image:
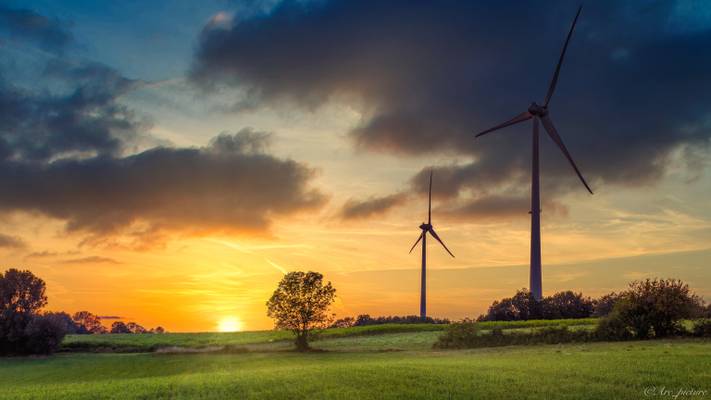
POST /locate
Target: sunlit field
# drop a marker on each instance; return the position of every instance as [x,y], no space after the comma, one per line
[371,367]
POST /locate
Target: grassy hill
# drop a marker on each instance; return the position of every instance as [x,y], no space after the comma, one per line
[373,362]
[589,371]
[266,340]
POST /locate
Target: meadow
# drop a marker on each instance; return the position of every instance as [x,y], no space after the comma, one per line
[372,362]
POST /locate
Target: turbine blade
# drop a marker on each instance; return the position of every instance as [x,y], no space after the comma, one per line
[434,235]
[515,120]
[553,133]
[418,241]
[429,209]
[554,81]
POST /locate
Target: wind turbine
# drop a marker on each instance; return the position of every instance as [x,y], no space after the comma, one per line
[427,228]
[540,113]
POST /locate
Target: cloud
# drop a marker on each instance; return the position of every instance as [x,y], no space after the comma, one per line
[427,75]
[83,119]
[496,207]
[7,241]
[373,206]
[50,34]
[229,185]
[90,260]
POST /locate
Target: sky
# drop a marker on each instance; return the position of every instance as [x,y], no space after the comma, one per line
[166,162]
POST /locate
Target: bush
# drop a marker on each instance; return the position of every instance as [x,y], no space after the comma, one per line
[604,305]
[44,334]
[468,335]
[566,305]
[365,319]
[613,327]
[702,328]
[459,335]
[652,308]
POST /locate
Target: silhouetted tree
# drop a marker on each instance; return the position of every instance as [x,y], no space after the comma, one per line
[44,334]
[365,319]
[22,329]
[22,294]
[300,303]
[566,304]
[346,322]
[603,305]
[64,320]
[88,322]
[522,306]
[135,328]
[119,327]
[158,329]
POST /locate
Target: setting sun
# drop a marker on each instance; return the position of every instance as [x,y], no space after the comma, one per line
[229,324]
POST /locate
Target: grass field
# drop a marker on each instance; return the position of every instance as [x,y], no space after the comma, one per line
[376,362]
[262,340]
[589,371]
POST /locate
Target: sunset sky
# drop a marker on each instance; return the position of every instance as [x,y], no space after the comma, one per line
[166,162]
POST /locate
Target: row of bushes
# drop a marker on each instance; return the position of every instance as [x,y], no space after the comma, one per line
[365,320]
[648,309]
[468,334]
[562,305]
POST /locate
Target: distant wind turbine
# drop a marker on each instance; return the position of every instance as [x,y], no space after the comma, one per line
[426,228]
[540,113]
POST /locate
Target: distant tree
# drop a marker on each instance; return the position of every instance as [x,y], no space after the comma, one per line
[135,328]
[567,304]
[603,305]
[522,306]
[44,334]
[654,308]
[300,303]
[88,322]
[346,322]
[21,292]
[158,329]
[119,327]
[22,329]
[365,319]
[65,320]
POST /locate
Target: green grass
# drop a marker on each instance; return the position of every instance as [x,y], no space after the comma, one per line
[261,340]
[581,371]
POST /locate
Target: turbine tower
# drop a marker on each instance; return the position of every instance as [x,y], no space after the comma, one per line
[426,228]
[539,113]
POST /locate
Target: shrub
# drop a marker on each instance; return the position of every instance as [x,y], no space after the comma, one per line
[467,335]
[604,305]
[44,334]
[702,328]
[652,308]
[365,319]
[462,334]
[565,305]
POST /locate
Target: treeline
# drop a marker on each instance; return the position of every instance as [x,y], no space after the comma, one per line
[365,319]
[652,308]
[25,329]
[562,305]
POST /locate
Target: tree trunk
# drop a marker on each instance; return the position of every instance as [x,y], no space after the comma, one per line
[302,343]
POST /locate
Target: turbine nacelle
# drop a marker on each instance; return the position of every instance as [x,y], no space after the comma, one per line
[425,227]
[536,110]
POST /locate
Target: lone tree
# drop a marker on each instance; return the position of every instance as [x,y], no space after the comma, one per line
[300,303]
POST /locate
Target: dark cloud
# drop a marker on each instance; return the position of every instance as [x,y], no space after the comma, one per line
[358,209]
[90,260]
[50,34]
[496,207]
[8,241]
[82,119]
[229,185]
[635,86]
